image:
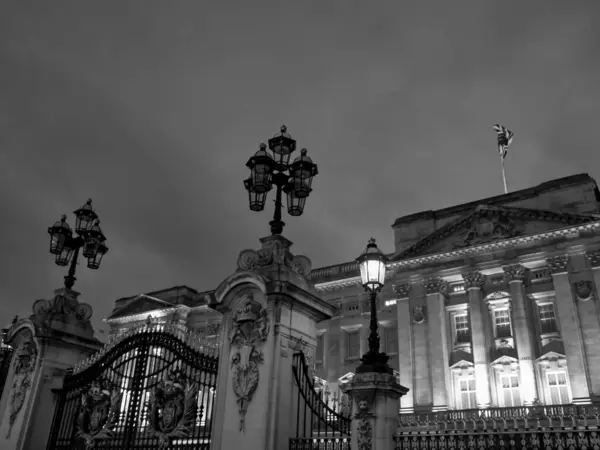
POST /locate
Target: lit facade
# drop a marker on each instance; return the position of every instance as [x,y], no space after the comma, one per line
[490,304]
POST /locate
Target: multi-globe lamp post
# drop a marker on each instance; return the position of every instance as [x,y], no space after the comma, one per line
[89,237]
[274,168]
[372,275]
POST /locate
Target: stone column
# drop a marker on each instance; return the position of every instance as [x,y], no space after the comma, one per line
[405,353]
[481,346]
[570,329]
[516,276]
[375,404]
[53,339]
[268,311]
[436,289]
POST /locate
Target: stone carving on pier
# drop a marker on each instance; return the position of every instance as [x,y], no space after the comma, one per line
[402,290]
[419,314]
[515,272]
[473,280]
[436,286]
[25,360]
[249,331]
[558,264]
[274,252]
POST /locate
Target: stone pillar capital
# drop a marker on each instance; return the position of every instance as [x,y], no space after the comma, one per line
[515,272]
[593,257]
[436,285]
[473,280]
[558,264]
[402,290]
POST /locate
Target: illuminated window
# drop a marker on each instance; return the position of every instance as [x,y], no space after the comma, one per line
[390,302]
[502,323]
[319,354]
[391,340]
[511,395]
[353,348]
[468,398]
[547,318]
[353,308]
[558,387]
[462,329]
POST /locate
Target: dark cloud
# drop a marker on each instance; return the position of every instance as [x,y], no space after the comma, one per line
[152,109]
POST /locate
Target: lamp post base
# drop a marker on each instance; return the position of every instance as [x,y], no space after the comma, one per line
[375,362]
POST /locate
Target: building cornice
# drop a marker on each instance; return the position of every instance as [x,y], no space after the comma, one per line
[467,251]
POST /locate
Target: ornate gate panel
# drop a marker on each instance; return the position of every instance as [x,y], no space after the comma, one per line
[153,389]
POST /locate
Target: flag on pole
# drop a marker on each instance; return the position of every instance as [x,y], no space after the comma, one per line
[505,137]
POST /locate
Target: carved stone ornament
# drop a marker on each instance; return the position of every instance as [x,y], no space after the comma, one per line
[483,229]
[419,314]
[249,330]
[558,264]
[436,286]
[24,362]
[515,272]
[584,290]
[402,290]
[364,438]
[64,303]
[274,251]
[173,408]
[473,280]
[99,414]
[594,258]
[364,406]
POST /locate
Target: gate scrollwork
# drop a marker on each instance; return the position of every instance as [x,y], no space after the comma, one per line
[173,408]
[99,414]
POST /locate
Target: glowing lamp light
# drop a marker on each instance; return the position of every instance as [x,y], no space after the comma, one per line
[372,267]
[256,199]
[261,167]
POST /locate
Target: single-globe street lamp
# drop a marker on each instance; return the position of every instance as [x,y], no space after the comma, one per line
[372,274]
[295,178]
[66,247]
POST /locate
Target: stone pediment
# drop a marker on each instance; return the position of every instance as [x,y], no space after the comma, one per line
[460,358]
[509,357]
[552,350]
[487,224]
[140,305]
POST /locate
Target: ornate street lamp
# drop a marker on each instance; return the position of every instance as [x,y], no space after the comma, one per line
[372,274]
[295,179]
[66,248]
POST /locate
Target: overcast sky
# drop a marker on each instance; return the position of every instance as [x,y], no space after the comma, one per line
[152,108]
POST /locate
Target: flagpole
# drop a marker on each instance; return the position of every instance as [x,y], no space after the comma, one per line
[503,173]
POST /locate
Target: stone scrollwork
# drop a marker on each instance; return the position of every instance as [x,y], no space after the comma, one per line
[436,286]
[249,330]
[515,272]
[584,290]
[173,408]
[248,260]
[558,264]
[473,280]
[302,265]
[594,258]
[273,252]
[365,434]
[402,290]
[99,414]
[25,360]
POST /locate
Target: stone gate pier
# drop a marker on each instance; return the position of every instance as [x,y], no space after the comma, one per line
[267,309]
[56,336]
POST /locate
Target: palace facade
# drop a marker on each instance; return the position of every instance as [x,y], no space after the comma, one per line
[489,304]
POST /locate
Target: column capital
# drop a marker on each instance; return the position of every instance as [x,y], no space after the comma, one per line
[593,257]
[402,290]
[515,272]
[558,264]
[473,280]
[436,285]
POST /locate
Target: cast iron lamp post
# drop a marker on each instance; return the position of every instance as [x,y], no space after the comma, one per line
[372,274]
[89,237]
[295,179]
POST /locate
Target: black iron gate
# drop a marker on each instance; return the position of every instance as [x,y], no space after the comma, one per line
[153,389]
[318,426]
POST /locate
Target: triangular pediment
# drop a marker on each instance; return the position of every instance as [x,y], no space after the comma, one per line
[505,359]
[487,224]
[140,305]
[552,350]
[460,358]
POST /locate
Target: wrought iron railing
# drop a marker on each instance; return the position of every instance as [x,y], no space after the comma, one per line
[5,359]
[317,424]
[533,439]
[503,418]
